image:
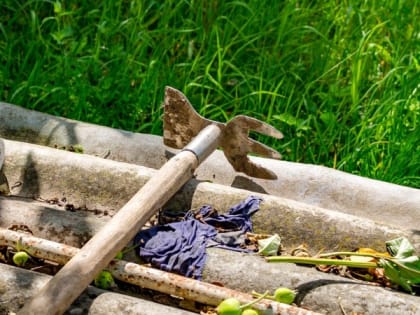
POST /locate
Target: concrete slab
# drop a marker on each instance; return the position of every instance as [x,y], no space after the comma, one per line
[89,182]
[315,185]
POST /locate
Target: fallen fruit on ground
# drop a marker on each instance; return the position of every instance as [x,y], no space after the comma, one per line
[284,295]
[281,295]
[20,258]
[230,306]
[104,280]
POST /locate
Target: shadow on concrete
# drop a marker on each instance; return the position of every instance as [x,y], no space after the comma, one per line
[30,181]
[416,232]
[243,182]
[309,286]
[20,124]
[30,187]
[169,154]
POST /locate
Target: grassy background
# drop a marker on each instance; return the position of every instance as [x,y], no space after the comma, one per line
[341,79]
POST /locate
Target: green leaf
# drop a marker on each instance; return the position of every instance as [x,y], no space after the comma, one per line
[404,272]
[400,248]
[62,34]
[57,7]
[269,246]
[292,121]
[404,267]
[328,118]
[288,119]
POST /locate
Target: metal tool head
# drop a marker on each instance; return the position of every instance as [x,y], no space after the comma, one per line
[182,123]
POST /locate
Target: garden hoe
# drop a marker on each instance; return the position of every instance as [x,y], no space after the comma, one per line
[184,129]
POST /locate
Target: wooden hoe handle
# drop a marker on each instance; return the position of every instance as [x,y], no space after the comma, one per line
[58,294]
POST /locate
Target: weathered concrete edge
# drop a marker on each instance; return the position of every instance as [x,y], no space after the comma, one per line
[96,183]
[316,185]
[17,285]
[123,304]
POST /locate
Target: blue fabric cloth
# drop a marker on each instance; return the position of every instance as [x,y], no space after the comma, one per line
[181,246]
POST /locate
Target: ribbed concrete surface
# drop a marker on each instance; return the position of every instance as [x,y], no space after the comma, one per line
[315,185]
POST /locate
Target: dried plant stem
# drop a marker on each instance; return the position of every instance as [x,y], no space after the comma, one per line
[322,261]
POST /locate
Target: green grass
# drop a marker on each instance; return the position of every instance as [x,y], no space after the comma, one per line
[341,79]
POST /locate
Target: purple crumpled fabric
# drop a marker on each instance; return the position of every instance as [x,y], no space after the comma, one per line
[180,247]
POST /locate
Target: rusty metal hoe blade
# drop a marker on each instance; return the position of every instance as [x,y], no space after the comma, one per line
[182,123]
